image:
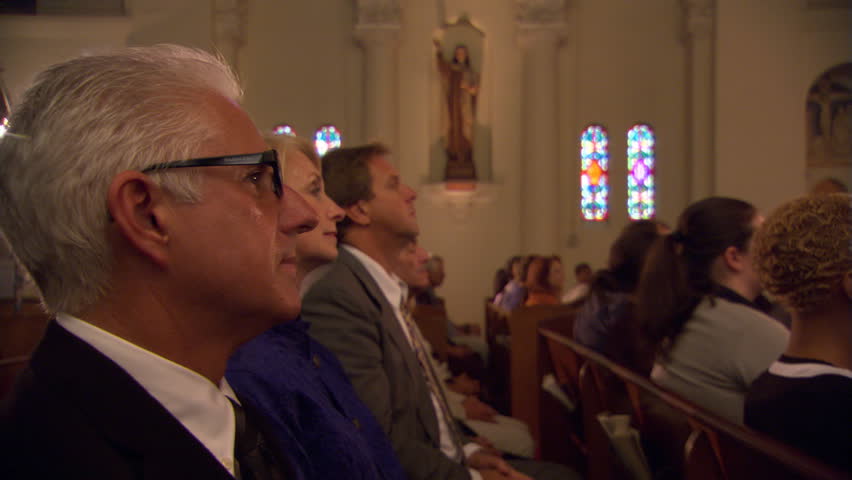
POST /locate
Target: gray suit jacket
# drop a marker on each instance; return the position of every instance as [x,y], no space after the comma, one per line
[349,314]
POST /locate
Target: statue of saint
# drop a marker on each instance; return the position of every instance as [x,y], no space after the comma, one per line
[460,87]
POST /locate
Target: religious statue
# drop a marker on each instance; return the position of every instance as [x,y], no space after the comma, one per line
[460,87]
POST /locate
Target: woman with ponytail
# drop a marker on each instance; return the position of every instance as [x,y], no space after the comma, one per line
[606,321]
[695,305]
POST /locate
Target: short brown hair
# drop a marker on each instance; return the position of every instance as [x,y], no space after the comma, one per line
[347,178]
[804,248]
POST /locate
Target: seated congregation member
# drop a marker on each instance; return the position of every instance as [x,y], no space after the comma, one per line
[355,310]
[512,294]
[545,278]
[695,305]
[803,254]
[294,381]
[503,433]
[583,276]
[606,321]
[146,206]
[464,339]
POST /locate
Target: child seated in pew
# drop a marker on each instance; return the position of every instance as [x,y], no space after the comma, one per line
[803,254]
[605,321]
[695,303]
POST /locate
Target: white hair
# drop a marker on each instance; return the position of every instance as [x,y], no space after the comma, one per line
[81,123]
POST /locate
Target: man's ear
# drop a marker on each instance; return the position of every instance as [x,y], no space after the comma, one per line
[359,213]
[137,207]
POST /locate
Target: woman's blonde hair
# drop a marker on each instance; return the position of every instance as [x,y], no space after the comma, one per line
[287,144]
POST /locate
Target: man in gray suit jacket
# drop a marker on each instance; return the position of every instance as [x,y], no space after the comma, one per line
[355,310]
[152,216]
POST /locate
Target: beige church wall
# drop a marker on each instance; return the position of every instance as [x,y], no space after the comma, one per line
[625,62]
[187,22]
[29,44]
[301,66]
[768,55]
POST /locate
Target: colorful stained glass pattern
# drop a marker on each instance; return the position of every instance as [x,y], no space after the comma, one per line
[326,138]
[283,129]
[594,173]
[640,173]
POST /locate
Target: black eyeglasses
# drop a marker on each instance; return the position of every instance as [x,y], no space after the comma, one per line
[269,157]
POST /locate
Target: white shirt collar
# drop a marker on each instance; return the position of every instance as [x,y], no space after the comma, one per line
[197,403]
[388,283]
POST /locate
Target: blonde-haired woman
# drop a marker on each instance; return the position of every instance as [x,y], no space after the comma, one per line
[297,383]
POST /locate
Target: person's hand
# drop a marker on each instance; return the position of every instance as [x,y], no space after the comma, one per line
[459,350]
[464,384]
[474,409]
[487,446]
[492,467]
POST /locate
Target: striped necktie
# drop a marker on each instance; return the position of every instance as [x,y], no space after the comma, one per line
[419,347]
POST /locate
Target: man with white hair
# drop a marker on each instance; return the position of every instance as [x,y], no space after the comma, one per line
[151,215]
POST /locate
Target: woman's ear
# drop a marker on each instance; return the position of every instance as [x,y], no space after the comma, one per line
[137,208]
[734,259]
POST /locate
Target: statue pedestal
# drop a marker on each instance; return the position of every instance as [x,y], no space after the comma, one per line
[460,197]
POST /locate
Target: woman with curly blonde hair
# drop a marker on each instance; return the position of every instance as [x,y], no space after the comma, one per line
[803,254]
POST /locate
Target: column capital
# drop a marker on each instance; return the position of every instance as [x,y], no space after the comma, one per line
[699,17]
[540,12]
[378,14]
[378,22]
[540,21]
[230,18]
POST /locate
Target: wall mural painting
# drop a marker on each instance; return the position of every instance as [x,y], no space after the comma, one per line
[829,118]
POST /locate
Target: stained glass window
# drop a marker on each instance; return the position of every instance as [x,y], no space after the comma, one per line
[326,138]
[640,172]
[283,129]
[594,173]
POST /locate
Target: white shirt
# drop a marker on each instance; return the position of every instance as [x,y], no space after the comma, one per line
[395,291]
[198,404]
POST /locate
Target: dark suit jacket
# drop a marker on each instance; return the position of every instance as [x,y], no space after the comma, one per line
[75,414]
[351,317]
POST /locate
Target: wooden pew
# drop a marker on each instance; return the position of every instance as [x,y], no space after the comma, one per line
[714,449]
[529,362]
[497,337]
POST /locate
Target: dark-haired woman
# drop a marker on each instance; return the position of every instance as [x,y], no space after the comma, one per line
[512,294]
[695,304]
[545,278]
[606,322]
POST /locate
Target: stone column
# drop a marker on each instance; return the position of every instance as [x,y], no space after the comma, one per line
[378,31]
[541,26]
[229,19]
[701,106]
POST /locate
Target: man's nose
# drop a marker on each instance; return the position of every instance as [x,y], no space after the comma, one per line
[296,216]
